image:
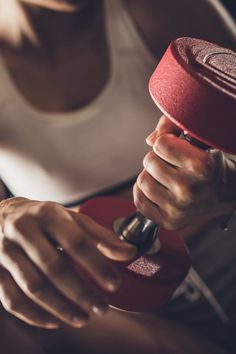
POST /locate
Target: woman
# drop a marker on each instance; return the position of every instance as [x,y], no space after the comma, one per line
[73,93]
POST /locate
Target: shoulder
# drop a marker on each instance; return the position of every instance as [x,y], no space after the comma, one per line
[160,21]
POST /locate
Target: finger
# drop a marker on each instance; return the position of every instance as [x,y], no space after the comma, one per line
[164,126]
[180,153]
[56,267]
[16,303]
[169,217]
[146,207]
[78,246]
[38,289]
[106,240]
[162,172]
[153,190]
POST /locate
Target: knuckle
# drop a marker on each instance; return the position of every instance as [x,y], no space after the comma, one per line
[203,167]
[149,159]
[163,144]
[44,209]
[180,192]
[48,211]
[161,140]
[13,226]
[185,194]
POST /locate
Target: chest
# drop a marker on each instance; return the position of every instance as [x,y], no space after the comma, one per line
[66,80]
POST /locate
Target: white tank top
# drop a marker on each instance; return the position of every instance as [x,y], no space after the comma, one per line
[65,157]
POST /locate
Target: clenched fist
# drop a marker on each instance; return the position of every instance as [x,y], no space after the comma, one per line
[182,184]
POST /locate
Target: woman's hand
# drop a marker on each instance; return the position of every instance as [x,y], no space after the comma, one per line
[182,184]
[38,283]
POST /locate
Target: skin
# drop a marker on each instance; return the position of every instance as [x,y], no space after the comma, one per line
[63,5]
[181,184]
[38,284]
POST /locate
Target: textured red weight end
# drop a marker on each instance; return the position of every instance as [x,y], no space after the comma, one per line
[195,86]
[149,281]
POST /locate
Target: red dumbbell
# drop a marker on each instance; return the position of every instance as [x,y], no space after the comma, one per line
[194,85]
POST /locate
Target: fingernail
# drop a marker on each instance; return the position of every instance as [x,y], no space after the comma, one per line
[52,325]
[112,284]
[99,309]
[151,138]
[78,322]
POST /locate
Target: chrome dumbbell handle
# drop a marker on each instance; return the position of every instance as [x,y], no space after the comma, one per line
[141,231]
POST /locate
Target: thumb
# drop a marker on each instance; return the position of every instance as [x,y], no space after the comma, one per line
[106,241]
[164,126]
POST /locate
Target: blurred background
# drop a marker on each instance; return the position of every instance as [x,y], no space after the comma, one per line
[231,6]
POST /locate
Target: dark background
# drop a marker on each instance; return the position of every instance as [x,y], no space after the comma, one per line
[231,6]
